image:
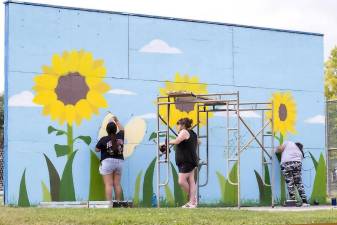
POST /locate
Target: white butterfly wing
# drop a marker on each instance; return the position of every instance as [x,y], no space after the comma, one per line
[135,131]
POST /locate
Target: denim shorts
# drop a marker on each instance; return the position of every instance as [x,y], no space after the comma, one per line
[110,165]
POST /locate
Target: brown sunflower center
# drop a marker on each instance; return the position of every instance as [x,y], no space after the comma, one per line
[182,106]
[71,88]
[282,112]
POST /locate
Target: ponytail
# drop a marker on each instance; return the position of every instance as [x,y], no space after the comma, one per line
[300,147]
[111,129]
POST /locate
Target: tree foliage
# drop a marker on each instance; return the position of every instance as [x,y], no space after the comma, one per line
[330,84]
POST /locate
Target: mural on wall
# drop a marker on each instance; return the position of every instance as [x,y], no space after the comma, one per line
[285,116]
[126,62]
[71,90]
[183,83]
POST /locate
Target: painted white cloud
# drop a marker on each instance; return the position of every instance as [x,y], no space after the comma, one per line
[148,116]
[318,119]
[22,99]
[121,92]
[159,46]
[243,114]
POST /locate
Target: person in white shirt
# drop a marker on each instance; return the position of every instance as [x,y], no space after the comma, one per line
[291,166]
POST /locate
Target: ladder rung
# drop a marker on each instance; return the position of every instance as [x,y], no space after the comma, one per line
[231,128]
[267,135]
[232,160]
[202,136]
[269,163]
[163,161]
[162,131]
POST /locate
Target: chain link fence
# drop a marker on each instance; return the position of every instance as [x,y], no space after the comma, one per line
[1,170]
[331,138]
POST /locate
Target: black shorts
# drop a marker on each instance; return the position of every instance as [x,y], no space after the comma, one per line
[186,167]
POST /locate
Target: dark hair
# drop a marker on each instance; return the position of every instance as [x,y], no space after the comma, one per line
[300,147]
[111,129]
[186,122]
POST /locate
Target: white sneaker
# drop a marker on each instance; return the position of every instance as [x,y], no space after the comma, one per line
[305,204]
[189,206]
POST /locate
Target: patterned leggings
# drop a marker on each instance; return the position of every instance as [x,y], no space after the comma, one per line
[292,174]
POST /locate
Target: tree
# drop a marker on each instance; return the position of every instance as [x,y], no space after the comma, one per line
[330,84]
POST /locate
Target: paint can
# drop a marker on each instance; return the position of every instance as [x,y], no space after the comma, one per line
[333,202]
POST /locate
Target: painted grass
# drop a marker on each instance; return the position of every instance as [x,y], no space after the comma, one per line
[214,216]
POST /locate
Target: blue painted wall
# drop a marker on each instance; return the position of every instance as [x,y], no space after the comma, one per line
[139,54]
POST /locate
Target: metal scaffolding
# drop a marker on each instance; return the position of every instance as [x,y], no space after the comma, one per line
[228,103]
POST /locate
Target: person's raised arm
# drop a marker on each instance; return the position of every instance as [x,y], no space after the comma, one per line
[280,148]
[118,123]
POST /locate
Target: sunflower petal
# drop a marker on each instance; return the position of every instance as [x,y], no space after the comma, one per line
[96,99]
[44,97]
[83,109]
[46,81]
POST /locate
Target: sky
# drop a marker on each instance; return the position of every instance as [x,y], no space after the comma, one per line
[304,15]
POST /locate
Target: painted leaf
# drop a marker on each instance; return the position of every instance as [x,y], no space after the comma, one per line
[122,195]
[96,188]
[314,161]
[148,184]
[169,196]
[136,199]
[179,197]
[265,191]
[60,132]
[51,129]
[23,195]
[54,180]
[67,191]
[46,197]
[86,139]
[135,131]
[153,136]
[319,189]
[222,183]
[61,150]
[231,191]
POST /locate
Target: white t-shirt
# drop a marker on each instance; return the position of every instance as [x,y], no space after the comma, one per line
[291,152]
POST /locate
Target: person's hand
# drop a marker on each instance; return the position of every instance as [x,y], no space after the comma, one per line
[115,119]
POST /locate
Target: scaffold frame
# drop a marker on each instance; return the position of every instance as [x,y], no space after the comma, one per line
[230,104]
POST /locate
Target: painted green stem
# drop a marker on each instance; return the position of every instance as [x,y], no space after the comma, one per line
[70,140]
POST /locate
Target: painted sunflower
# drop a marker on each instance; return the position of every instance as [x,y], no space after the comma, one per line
[183,84]
[71,88]
[284,113]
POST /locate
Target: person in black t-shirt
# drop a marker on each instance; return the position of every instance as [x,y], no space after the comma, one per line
[186,158]
[111,148]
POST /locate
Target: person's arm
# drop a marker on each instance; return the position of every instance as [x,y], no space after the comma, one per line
[99,146]
[118,123]
[183,135]
[280,148]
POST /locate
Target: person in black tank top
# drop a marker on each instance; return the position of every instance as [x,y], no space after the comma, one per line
[186,158]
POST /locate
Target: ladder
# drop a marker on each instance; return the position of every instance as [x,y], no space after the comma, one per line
[202,163]
[231,160]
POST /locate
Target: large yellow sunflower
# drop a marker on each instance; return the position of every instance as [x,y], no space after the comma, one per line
[183,84]
[284,113]
[71,88]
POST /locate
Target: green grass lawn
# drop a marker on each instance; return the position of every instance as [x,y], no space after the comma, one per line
[43,216]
